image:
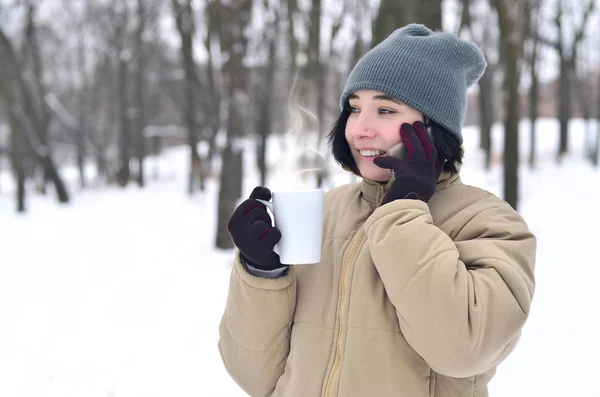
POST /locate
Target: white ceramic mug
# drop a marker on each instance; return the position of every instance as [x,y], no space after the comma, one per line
[298,214]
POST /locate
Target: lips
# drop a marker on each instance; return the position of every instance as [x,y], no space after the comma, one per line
[371,153]
[368,155]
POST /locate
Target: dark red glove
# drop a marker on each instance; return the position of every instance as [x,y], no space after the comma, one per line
[251,231]
[415,175]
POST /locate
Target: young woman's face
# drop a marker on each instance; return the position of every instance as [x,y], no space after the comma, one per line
[373,127]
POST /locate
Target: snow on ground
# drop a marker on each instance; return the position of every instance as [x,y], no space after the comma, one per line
[120,293]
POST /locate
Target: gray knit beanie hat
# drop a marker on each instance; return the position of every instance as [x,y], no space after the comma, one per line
[429,71]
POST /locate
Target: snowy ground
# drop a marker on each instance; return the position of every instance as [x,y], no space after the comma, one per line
[120,293]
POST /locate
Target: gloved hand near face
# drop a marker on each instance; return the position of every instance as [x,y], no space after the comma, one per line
[416,173]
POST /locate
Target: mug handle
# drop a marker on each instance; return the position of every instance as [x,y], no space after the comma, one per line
[270,206]
[267,203]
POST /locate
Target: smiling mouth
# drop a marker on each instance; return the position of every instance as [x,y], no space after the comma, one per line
[371,153]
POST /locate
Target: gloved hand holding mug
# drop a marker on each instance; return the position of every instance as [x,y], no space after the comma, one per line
[250,227]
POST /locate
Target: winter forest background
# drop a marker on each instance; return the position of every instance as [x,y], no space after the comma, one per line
[130,129]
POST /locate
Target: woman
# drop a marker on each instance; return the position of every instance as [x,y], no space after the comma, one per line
[424,284]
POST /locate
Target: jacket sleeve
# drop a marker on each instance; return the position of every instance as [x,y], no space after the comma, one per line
[275,273]
[255,329]
[461,304]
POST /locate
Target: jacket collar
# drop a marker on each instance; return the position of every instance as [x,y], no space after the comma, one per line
[373,191]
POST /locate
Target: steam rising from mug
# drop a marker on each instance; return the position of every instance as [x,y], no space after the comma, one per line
[301,161]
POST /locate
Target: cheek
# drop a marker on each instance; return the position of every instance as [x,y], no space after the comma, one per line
[349,127]
[391,133]
[349,137]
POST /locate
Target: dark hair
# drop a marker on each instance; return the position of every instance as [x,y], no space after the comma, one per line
[445,143]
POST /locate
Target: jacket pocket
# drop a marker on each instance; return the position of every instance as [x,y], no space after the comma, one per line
[431,383]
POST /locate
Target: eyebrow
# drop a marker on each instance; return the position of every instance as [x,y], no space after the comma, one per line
[378,97]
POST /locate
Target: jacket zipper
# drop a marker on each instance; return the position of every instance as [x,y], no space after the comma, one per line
[338,343]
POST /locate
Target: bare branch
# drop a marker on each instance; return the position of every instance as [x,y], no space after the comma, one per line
[581,30]
[546,41]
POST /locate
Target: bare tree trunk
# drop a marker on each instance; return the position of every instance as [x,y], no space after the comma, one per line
[184,17]
[265,117]
[429,13]
[234,42]
[392,15]
[595,153]
[358,49]
[292,9]
[40,152]
[33,105]
[567,66]
[156,149]
[589,120]
[321,105]
[22,101]
[511,139]
[100,135]
[577,41]
[486,114]
[584,100]
[18,153]
[81,134]
[124,172]
[261,148]
[335,75]
[212,150]
[317,68]
[39,89]
[564,108]
[293,47]
[562,104]
[101,164]
[513,28]
[139,90]
[533,96]
[486,82]
[214,96]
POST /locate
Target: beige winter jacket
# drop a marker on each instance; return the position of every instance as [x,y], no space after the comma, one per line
[410,300]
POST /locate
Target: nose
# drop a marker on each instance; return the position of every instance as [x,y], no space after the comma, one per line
[362,127]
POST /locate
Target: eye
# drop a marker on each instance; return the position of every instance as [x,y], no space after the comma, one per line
[354,109]
[386,111]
